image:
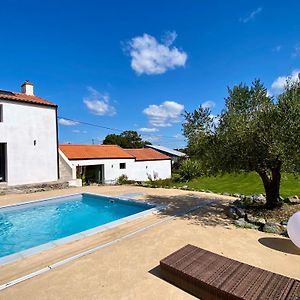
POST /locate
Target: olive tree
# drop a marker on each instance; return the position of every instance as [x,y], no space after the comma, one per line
[254,132]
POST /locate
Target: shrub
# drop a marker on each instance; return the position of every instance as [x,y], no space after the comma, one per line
[160,182]
[190,169]
[176,177]
[123,179]
[84,181]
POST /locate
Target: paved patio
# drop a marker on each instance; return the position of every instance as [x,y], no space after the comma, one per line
[128,269]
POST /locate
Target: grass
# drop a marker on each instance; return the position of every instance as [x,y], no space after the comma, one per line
[245,183]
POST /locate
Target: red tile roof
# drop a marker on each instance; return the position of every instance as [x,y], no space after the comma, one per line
[146,154]
[21,97]
[75,151]
[93,151]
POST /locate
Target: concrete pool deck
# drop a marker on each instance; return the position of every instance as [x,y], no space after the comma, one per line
[127,269]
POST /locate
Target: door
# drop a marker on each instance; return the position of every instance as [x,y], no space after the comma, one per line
[2,162]
[94,174]
[101,174]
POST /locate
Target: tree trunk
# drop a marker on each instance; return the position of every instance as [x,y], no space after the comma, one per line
[271,181]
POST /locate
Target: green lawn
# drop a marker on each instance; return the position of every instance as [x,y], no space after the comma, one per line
[245,184]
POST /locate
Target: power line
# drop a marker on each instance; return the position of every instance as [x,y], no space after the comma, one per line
[90,124]
[111,128]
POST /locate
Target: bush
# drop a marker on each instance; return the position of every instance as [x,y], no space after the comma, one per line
[160,182]
[176,177]
[123,179]
[83,180]
[190,169]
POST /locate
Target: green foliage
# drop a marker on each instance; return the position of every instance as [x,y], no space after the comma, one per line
[198,127]
[242,183]
[160,183]
[177,164]
[288,116]
[169,182]
[84,181]
[123,179]
[233,183]
[254,133]
[127,139]
[176,177]
[239,183]
[189,169]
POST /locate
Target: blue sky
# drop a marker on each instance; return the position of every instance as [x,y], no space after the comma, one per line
[139,64]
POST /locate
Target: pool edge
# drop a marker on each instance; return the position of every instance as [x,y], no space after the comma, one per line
[80,235]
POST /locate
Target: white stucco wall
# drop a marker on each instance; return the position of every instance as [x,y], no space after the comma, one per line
[135,170]
[22,124]
[155,169]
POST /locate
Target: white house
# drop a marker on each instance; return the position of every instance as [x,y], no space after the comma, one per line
[106,163]
[173,154]
[28,138]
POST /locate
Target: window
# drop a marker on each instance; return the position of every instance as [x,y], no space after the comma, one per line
[122,166]
[1,112]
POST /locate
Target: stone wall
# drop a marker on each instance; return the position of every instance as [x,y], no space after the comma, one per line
[33,188]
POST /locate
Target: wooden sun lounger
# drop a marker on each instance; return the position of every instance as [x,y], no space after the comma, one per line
[211,276]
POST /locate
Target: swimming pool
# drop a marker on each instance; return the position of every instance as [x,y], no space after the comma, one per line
[36,223]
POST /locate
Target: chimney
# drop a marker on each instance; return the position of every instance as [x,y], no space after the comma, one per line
[27,88]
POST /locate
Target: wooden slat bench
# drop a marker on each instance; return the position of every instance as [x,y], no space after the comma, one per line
[211,276]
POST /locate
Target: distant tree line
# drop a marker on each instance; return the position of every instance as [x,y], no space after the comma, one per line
[127,139]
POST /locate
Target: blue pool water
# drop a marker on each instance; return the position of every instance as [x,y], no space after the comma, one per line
[27,226]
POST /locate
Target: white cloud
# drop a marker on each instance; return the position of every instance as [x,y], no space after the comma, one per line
[98,103]
[153,138]
[149,56]
[179,136]
[79,131]
[146,129]
[66,122]
[252,15]
[169,37]
[165,114]
[279,84]
[208,104]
